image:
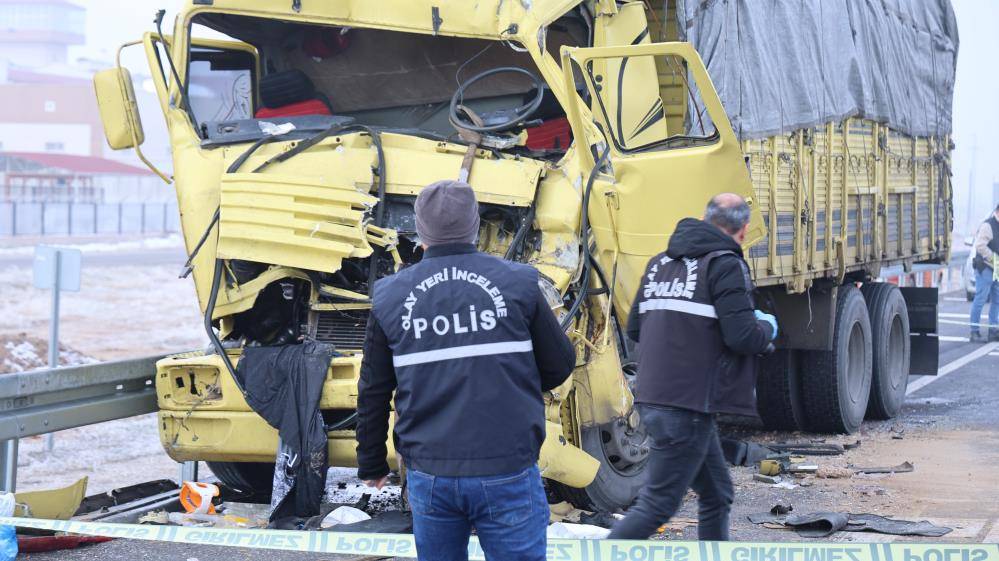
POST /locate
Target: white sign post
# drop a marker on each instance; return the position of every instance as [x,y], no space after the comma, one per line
[56,269]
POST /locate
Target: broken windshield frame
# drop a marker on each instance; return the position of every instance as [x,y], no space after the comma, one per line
[219,133]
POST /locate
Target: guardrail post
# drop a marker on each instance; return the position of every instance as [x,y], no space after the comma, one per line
[8,463]
[188,471]
[13,218]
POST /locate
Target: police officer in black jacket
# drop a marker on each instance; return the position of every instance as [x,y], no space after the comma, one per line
[698,332]
[468,344]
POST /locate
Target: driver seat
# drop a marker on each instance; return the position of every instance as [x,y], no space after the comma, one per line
[290,93]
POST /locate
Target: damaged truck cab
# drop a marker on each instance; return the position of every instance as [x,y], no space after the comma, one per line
[302,131]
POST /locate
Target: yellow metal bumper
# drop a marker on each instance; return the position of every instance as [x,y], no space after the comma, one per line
[238,436]
[204,417]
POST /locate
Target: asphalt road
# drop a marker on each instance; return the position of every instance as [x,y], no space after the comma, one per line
[164,256]
[948,428]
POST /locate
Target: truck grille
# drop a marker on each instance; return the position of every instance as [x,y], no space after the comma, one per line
[345,329]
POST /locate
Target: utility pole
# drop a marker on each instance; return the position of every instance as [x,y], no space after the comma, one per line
[970,219]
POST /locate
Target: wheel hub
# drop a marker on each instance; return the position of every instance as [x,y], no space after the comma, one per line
[626,448]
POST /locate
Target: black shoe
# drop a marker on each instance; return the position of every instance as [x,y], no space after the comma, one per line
[976,337]
[993,336]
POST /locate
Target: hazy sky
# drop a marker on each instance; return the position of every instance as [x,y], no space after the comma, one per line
[976,105]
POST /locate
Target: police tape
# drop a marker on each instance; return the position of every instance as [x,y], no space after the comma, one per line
[403,545]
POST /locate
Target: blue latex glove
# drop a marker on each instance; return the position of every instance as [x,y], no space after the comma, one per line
[762,316]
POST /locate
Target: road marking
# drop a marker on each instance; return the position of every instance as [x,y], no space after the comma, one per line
[954,299]
[964,323]
[951,367]
[952,339]
[952,315]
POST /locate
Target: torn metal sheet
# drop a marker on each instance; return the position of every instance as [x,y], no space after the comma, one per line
[293,221]
[51,504]
[904,467]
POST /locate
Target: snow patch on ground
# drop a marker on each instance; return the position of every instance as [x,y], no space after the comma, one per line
[343,487]
[21,353]
[119,312]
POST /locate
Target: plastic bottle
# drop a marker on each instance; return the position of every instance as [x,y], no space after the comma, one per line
[8,537]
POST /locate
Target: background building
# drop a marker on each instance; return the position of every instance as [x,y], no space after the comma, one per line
[52,145]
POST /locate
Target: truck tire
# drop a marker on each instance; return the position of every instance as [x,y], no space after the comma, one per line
[615,486]
[778,391]
[891,352]
[837,383]
[255,478]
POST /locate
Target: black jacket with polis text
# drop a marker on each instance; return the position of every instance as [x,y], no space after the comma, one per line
[468,343]
[693,318]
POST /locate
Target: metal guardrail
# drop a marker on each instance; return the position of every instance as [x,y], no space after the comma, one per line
[44,401]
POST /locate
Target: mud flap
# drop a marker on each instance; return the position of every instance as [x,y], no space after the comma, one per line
[922,307]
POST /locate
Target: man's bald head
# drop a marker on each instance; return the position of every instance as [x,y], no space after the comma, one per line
[730,213]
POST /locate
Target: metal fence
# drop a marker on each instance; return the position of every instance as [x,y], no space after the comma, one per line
[42,219]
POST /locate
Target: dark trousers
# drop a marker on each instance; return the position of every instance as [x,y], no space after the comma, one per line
[686,453]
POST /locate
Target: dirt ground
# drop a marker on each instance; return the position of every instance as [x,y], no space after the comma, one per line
[121,311]
[142,310]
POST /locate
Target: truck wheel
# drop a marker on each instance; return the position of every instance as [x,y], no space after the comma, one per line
[890,337]
[837,383]
[778,391]
[623,455]
[251,477]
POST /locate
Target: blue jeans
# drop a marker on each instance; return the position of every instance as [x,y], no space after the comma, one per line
[509,513]
[686,454]
[984,288]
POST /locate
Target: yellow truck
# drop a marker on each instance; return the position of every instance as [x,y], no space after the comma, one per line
[302,130]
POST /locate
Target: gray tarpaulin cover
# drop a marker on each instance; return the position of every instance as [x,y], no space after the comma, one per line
[781,65]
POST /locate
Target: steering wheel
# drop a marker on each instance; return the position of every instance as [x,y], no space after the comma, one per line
[461,121]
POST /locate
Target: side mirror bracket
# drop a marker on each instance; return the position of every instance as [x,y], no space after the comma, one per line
[120,111]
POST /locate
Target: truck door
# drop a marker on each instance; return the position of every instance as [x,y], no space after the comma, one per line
[670,149]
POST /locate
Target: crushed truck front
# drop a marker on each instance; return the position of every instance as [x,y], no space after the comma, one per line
[289,218]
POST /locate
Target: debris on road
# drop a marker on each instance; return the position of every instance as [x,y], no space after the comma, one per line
[742,453]
[784,463]
[676,525]
[771,479]
[904,467]
[41,544]
[567,530]
[770,467]
[833,472]
[343,515]
[51,504]
[780,509]
[388,522]
[197,497]
[813,448]
[823,524]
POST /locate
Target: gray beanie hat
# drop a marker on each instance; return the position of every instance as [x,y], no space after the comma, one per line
[447,212]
